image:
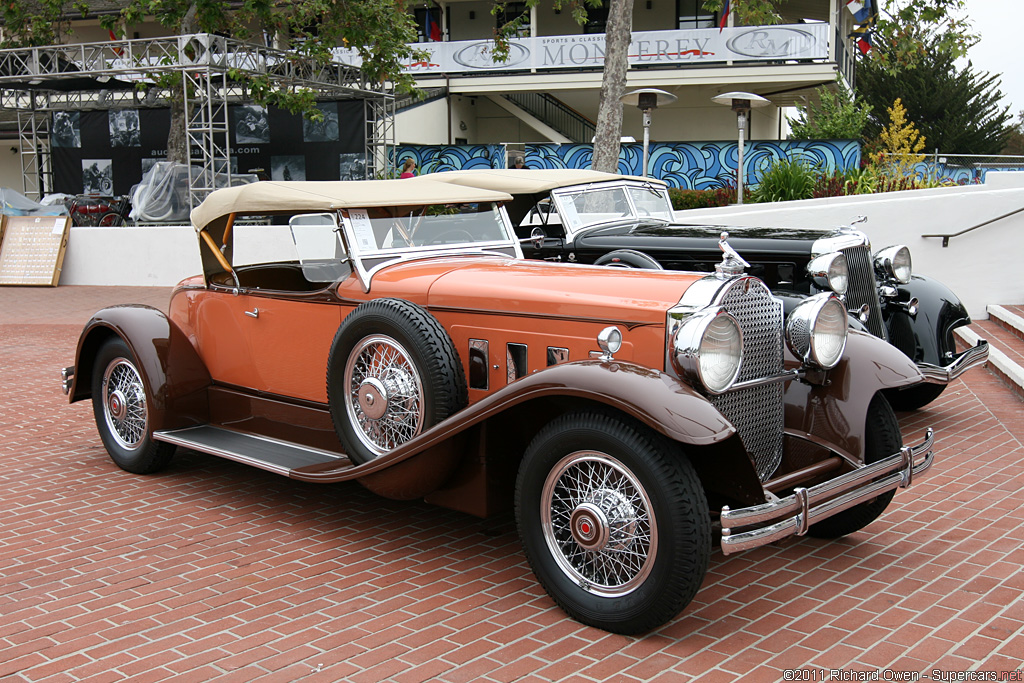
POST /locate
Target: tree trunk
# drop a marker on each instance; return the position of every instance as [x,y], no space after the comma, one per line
[618,32]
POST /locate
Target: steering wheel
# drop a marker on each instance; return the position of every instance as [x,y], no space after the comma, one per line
[447,235]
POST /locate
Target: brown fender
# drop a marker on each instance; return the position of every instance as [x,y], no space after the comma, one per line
[834,414]
[176,378]
[660,401]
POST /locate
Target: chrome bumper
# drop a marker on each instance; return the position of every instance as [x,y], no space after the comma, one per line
[937,374]
[67,375]
[807,506]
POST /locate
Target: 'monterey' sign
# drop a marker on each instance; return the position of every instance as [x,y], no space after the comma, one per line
[696,46]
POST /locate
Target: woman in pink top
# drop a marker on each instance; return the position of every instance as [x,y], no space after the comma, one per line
[408,169]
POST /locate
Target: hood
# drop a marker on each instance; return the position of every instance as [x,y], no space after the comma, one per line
[701,238]
[543,289]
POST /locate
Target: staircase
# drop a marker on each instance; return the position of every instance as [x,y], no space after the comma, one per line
[1004,331]
[555,113]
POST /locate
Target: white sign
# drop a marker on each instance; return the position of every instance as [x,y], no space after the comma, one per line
[695,46]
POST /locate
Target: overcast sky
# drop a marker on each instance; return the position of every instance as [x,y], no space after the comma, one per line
[999,23]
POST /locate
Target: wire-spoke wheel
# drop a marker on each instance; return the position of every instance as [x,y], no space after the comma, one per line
[393,372]
[613,520]
[598,523]
[385,395]
[124,403]
[121,407]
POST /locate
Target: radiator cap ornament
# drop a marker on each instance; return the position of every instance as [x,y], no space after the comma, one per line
[732,263]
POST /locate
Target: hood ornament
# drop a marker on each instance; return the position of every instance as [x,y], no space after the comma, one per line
[849,228]
[732,263]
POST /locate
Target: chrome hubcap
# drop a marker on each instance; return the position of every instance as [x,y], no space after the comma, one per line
[385,402]
[598,523]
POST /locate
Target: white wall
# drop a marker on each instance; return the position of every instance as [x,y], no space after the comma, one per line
[981,267]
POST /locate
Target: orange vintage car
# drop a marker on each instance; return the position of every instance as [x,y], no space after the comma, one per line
[391,332]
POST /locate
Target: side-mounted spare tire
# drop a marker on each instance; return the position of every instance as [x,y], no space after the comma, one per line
[393,372]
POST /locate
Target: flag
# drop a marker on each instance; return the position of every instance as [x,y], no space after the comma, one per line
[862,14]
[854,6]
[725,16]
[864,43]
[433,31]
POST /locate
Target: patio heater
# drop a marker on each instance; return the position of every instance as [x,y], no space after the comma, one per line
[647,100]
[741,103]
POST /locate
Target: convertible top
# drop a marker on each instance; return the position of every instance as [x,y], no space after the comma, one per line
[328,195]
[528,181]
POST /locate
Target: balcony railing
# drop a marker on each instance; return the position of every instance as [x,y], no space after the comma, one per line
[692,47]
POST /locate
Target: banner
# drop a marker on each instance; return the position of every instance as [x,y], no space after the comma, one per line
[648,48]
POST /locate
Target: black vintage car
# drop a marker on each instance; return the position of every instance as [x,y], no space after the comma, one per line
[606,219]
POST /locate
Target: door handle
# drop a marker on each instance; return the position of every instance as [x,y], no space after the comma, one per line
[254,313]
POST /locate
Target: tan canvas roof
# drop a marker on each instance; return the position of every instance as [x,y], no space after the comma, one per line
[530,181]
[327,195]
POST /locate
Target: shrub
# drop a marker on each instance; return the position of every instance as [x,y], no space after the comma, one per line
[703,199]
[786,180]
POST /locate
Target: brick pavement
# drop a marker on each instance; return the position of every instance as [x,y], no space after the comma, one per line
[212,570]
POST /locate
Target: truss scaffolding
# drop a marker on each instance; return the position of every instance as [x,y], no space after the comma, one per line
[37,81]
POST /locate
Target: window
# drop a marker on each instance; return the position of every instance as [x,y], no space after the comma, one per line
[428,25]
[691,14]
[597,18]
[512,11]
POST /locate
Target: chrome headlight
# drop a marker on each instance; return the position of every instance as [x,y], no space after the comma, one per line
[709,349]
[816,330]
[894,263]
[830,271]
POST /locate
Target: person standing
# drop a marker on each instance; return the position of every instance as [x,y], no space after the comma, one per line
[408,169]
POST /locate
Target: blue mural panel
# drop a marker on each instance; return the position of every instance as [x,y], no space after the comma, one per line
[434,158]
[689,165]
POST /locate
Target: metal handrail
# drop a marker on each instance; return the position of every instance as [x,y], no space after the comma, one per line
[946,237]
[556,114]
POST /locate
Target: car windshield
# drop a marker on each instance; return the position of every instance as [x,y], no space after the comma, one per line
[403,228]
[592,205]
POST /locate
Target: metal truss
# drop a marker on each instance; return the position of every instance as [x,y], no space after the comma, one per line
[37,81]
[380,137]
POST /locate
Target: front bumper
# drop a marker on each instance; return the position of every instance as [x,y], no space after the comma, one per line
[938,374]
[810,505]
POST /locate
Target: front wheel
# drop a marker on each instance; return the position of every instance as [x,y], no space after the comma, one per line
[883,439]
[914,397]
[613,521]
[120,404]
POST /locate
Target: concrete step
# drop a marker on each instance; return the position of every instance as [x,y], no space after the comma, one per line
[1006,347]
[1010,318]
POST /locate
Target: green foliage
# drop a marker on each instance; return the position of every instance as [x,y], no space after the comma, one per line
[835,117]
[956,109]
[1015,141]
[703,199]
[786,180]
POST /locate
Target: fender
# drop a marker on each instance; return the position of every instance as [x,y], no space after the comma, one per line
[662,402]
[928,336]
[175,377]
[833,414]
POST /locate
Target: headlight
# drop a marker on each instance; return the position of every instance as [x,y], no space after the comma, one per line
[829,271]
[894,263]
[816,330]
[709,348]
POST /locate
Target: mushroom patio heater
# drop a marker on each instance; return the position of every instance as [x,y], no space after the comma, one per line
[647,100]
[741,103]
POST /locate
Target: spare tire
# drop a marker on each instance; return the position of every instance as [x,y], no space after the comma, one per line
[393,372]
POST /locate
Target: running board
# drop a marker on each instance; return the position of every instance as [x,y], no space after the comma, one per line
[280,457]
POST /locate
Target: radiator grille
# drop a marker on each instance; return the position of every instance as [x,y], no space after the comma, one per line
[757,412]
[862,289]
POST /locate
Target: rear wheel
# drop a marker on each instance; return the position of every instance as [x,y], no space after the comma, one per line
[120,404]
[883,439]
[614,522]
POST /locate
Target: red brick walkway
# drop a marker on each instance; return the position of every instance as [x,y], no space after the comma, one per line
[215,571]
